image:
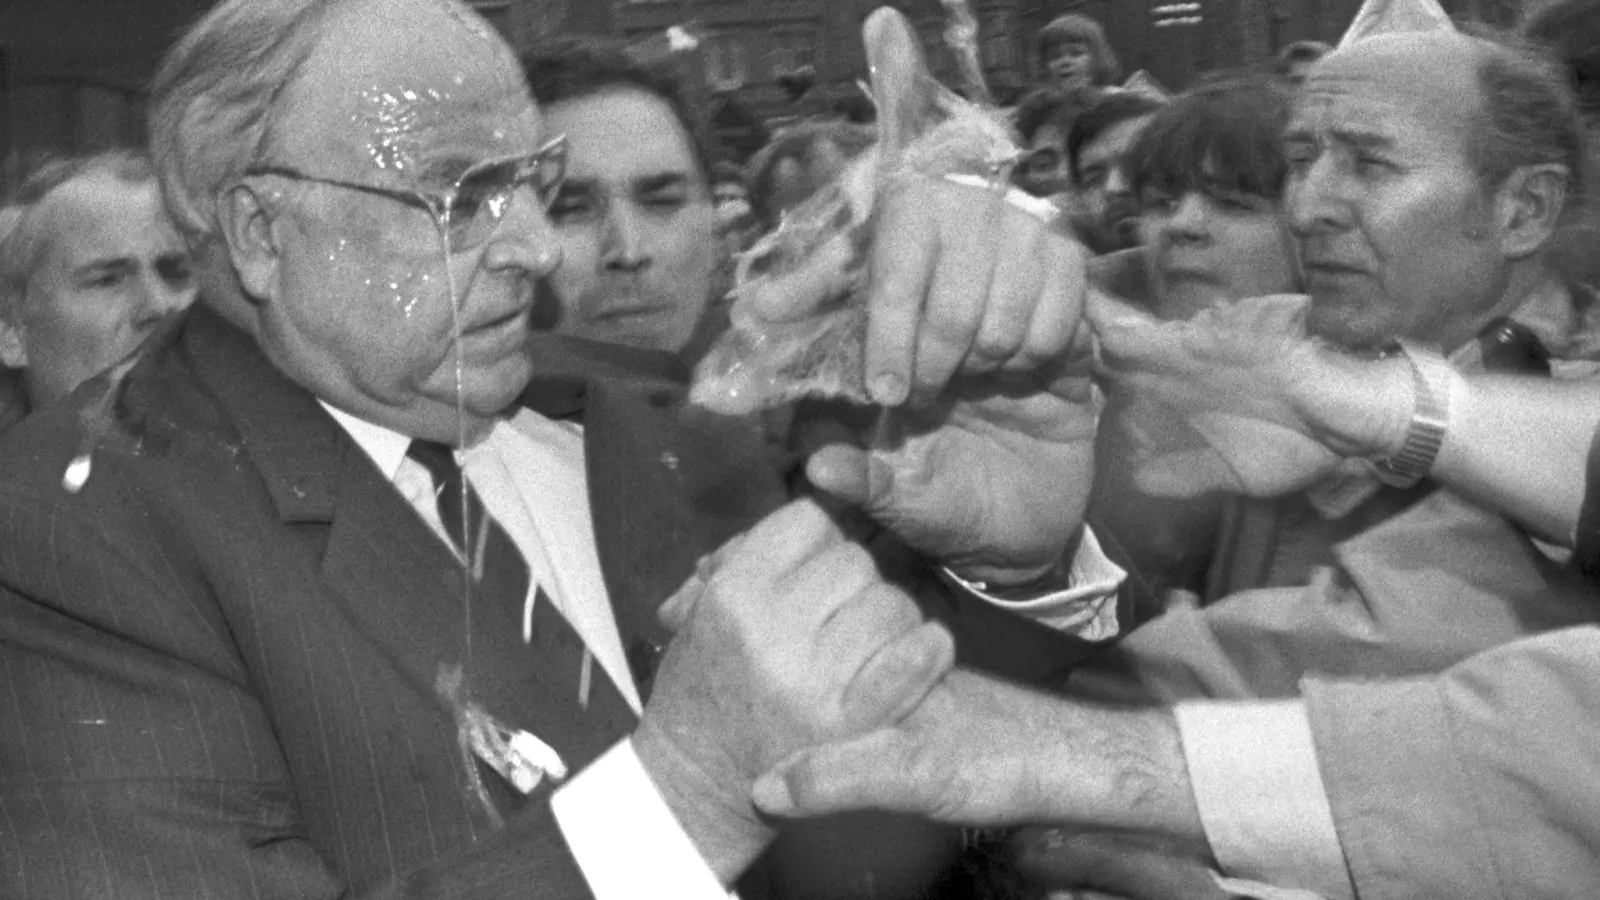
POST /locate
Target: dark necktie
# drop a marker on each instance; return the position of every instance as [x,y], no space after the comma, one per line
[584,712]
[459,508]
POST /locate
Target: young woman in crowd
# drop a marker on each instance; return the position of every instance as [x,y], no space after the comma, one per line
[1208,172]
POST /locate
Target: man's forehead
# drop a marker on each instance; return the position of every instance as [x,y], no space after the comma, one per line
[1114,140]
[411,85]
[88,213]
[622,131]
[1393,84]
[431,134]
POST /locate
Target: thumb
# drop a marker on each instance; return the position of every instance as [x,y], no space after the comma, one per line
[675,610]
[851,474]
[896,679]
[867,772]
[1188,472]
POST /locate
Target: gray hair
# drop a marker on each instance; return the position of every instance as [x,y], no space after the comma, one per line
[19,236]
[1530,116]
[213,100]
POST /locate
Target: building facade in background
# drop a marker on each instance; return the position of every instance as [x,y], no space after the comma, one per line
[72,72]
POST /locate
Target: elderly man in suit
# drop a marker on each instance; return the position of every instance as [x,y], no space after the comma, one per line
[310,605]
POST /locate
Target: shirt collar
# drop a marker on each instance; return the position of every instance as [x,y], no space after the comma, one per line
[386,447]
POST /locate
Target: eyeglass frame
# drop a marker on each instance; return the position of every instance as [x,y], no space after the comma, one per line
[437,205]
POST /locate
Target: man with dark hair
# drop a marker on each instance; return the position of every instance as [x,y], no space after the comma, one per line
[640,256]
[90,265]
[1044,120]
[1100,137]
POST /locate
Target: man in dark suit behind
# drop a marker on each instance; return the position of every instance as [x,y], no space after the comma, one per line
[259,635]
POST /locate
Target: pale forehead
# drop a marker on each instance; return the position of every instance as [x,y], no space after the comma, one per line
[94,214]
[411,91]
[1403,86]
[1115,140]
[621,131]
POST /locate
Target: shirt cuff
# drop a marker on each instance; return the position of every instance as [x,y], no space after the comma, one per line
[1260,795]
[625,839]
[1087,609]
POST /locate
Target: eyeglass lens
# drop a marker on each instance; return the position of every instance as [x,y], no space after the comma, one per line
[483,194]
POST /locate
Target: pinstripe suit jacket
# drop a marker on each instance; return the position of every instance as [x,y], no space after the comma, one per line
[220,655]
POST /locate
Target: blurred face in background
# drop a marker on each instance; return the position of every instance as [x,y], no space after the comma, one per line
[109,269]
[1105,200]
[1045,169]
[1071,63]
[638,229]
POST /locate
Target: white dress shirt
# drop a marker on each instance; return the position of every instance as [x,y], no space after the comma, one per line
[529,472]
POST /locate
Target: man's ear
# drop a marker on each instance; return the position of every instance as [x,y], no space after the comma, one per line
[13,342]
[247,226]
[1528,207]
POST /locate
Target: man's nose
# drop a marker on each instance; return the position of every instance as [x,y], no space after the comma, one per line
[1188,224]
[160,296]
[525,239]
[1314,199]
[624,246]
[1117,184]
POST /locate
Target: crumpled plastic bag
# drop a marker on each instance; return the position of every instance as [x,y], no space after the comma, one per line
[1219,402]
[798,319]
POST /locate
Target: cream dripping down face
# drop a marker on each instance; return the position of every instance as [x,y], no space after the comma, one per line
[376,313]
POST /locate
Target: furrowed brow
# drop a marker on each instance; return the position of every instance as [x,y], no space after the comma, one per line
[1362,140]
[662,181]
[105,266]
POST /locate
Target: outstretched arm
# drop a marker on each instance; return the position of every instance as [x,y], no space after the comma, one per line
[1265,409]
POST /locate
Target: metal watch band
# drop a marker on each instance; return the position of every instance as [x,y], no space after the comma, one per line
[1430,418]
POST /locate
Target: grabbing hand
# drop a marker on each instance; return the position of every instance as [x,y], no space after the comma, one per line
[964,281]
[1239,398]
[991,480]
[786,637]
[983,752]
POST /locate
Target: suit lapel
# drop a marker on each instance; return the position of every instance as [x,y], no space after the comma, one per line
[393,580]
[667,483]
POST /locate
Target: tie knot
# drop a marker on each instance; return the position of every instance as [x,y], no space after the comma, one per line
[438,459]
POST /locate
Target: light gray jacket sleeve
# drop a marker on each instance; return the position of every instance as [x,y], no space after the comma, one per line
[1480,782]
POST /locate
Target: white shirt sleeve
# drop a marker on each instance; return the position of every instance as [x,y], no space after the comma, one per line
[1087,609]
[1260,795]
[624,837]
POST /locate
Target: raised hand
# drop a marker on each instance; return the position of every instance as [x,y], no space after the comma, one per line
[992,480]
[963,281]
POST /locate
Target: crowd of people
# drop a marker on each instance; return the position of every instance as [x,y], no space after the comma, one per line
[1226,524]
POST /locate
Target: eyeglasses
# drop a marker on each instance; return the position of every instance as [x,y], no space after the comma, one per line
[471,209]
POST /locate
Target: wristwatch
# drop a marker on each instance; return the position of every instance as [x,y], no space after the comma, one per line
[1431,375]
